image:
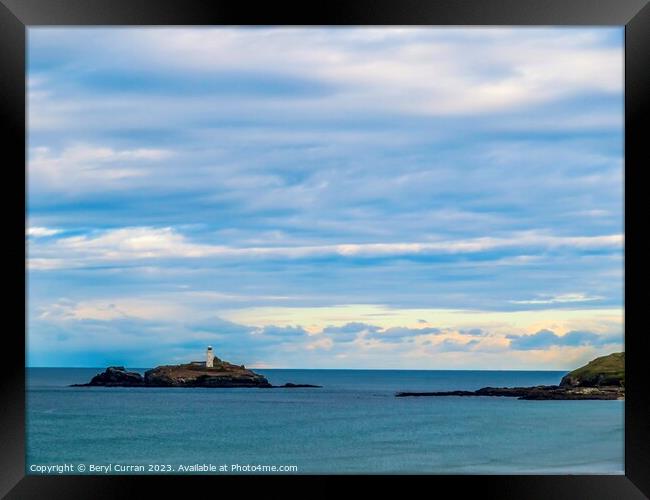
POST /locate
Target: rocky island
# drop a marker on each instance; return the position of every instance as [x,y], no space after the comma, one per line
[214,372]
[601,378]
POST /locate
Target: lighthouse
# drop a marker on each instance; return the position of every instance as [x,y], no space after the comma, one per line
[209,357]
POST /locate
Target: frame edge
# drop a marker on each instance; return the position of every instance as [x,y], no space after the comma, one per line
[12,141]
[637,111]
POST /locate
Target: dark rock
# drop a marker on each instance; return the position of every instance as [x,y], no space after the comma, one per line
[115,376]
[434,393]
[290,385]
[194,374]
[602,378]
[542,392]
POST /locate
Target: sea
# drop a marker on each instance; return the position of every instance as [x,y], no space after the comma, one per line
[354,424]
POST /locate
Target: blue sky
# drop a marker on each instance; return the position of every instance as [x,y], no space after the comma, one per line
[326,198]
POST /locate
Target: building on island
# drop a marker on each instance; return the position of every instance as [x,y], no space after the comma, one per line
[209,357]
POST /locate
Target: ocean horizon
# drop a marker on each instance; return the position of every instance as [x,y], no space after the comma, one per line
[353,424]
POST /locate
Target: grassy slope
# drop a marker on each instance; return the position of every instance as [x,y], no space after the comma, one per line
[606,370]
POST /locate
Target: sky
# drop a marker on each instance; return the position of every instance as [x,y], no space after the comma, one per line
[384,198]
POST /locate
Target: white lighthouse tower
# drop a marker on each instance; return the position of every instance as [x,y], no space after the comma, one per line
[209,358]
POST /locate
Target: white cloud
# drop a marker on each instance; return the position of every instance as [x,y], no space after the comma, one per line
[559,299]
[37,231]
[154,243]
[421,70]
[325,343]
[152,309]
[163,324]
[411,71]
[47,264]
[89,166]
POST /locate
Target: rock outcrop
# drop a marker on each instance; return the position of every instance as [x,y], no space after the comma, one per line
[290,385]
[222,374]
[533,393]
[602,378]
[606,371]
[115,376]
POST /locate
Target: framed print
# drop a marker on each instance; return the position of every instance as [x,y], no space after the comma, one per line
[319,242]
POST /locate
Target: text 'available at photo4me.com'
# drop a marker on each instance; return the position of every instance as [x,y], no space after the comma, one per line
[122,468]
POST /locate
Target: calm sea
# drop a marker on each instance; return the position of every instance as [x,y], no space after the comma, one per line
[354,424]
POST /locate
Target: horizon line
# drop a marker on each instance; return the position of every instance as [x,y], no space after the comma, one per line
[331,369]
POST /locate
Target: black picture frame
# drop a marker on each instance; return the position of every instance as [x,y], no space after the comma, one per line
[17,15]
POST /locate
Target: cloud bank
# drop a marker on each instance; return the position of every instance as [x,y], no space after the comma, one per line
[324,193]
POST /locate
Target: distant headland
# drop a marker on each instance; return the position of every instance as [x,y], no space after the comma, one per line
[601,378]
[213,372]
